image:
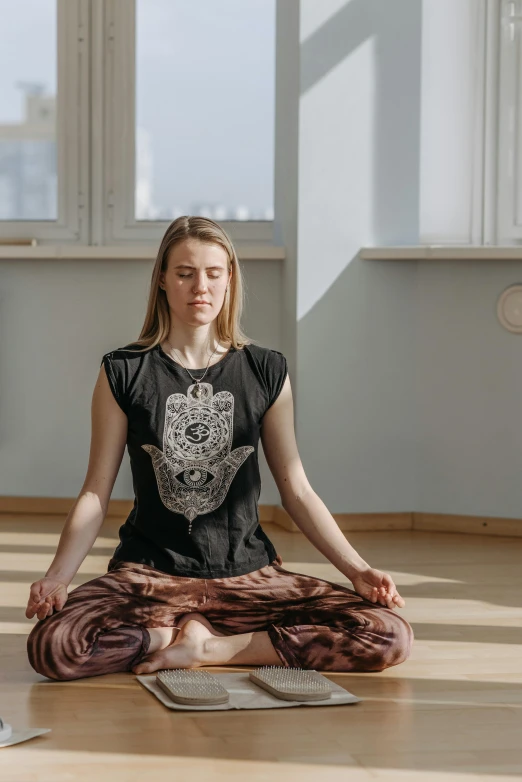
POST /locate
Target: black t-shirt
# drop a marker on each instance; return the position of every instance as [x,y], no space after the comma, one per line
[194,460]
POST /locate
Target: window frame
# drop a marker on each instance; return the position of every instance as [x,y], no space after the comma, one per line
[72,141]
[484,190]
[509,146]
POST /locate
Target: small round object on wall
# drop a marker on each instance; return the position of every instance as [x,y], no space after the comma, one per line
[509,309]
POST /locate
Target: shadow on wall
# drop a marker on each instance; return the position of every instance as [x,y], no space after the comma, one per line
[397,32]
[356,330]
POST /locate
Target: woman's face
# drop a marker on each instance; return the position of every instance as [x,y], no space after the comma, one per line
[196,272]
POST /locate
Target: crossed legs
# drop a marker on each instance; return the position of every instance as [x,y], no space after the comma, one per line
[127,620]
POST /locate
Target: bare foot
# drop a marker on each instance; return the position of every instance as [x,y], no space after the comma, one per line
[186,651]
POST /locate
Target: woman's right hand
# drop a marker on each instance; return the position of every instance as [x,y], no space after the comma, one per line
[46,594]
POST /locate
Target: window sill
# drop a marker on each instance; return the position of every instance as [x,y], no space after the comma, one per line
[245,252]
[440,252]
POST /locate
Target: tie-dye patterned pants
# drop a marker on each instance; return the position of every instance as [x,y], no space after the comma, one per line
[312,623]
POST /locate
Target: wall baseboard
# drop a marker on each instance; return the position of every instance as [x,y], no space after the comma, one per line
[470,525]
[275,514]
[433,522]
[348,521]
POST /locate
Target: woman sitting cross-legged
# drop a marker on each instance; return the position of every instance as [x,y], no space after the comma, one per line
[194,580]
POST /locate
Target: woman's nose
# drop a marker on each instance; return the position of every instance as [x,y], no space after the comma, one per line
[200,283]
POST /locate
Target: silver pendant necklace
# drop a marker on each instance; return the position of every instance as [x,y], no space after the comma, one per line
[196,391]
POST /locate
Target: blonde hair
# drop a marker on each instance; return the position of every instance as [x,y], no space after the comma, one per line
[156,326]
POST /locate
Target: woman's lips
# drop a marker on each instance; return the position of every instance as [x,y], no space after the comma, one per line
[199,304]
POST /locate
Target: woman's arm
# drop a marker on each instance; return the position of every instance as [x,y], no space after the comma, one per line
[82,525]
[297,496]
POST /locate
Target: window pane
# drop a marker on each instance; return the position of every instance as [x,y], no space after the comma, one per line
[205,99]
[28,175]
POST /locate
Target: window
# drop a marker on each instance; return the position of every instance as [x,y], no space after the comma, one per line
[28,170]
[116,116]
[459,114]
[189,100]
[204,109]
[40,140]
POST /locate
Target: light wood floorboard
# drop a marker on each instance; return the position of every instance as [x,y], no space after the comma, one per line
[451,712]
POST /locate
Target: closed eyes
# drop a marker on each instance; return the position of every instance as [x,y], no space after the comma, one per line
[212,276]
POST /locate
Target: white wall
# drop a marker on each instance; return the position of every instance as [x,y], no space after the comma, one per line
[467,392]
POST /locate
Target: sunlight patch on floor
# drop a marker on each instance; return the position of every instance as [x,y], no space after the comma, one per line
[29,539]
[39,563]
[16,628]
[126,767]
[330,573]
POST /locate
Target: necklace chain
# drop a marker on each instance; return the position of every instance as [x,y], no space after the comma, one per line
[196,380]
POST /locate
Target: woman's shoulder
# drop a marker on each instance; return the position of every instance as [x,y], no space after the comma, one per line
[266,362]
[261,352]
[131,352]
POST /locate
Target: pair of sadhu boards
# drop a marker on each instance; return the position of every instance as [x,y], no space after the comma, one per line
[196,687]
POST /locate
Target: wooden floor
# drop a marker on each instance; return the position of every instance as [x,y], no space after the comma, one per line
[453,711]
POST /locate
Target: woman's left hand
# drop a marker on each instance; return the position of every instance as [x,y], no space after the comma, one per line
[374,585]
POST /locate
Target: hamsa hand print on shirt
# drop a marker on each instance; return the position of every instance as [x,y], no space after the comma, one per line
[196,467]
